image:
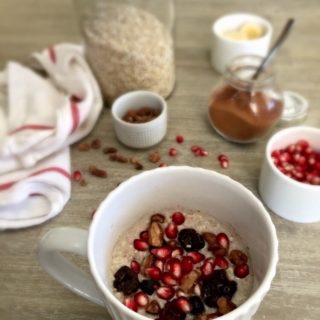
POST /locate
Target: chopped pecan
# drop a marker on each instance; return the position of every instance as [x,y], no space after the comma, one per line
[158,217]
[122,159]
[225,305]
[147,262]
[155,234]
[84,146]
[153,307]
[189,281]
[210,238]
[237,257]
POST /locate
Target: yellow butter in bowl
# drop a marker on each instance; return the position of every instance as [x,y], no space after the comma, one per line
[248,31]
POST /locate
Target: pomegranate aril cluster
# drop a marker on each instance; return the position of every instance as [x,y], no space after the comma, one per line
[298,161]
[174,279]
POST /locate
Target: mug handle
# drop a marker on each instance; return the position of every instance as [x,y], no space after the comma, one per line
[72,240]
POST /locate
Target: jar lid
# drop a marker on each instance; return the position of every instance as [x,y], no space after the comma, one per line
[295,106]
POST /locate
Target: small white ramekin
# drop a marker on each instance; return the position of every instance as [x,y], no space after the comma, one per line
[139,135]
[290,199]
[224,50]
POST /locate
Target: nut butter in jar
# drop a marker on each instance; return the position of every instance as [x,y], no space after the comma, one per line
[241,109]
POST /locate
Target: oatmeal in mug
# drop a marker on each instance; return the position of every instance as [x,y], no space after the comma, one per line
[181,265]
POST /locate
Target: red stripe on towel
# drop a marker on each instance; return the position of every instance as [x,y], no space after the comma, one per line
[52,54]
[59,170]
[75,115]
[32,127]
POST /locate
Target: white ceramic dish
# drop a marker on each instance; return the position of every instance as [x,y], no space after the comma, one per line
[139,135]
[290,199]
[161,189]
[224,50]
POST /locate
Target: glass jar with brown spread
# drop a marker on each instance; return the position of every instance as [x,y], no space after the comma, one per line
[241,109]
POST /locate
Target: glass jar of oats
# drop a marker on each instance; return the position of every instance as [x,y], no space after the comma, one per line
[129,44]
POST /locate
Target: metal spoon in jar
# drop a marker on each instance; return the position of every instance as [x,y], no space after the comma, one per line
[274,49]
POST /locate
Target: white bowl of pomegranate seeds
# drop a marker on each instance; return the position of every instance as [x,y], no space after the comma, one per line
[168,201]
[290,176]
[140,118]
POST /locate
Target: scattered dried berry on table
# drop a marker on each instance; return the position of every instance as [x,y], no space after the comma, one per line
[93,170]
[108,150]
[96,144]
[154,157]
[84,146]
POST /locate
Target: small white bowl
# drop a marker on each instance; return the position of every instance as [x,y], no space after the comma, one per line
[139,135]
[224,50]
[290,199]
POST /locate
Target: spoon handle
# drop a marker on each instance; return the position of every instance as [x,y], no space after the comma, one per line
[275,47]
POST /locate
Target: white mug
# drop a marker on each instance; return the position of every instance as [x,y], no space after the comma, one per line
[224,50]
[160,189]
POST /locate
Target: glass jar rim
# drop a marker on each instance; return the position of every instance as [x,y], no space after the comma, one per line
[237,64]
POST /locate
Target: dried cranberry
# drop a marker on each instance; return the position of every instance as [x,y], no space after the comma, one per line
[197,306]
[126,280]
[171,312]
[148,286]
[190,239]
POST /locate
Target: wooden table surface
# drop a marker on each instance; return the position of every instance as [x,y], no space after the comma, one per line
[28,293]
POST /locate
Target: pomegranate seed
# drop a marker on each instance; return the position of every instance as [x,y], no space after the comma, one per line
[285,157]
[172,152]
[159,264]
[304,144]
[130,303]
[177,252]
[141,299]
[222,157]
[144,235]
[196,256]
[140,245]
[162,164]
[165,292]
[194,148]
[135,266]
[179,139]
[204,153]
[198,152]
[223,240]
[171,231]
[168,279]
[275,154]
[186,264]
[241,271]
[77,176]
[178,218]
[161,253]
[173,245]
[224,164]
[183,304]
[153,273]
[175,268]
[221,262]
[207,268]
